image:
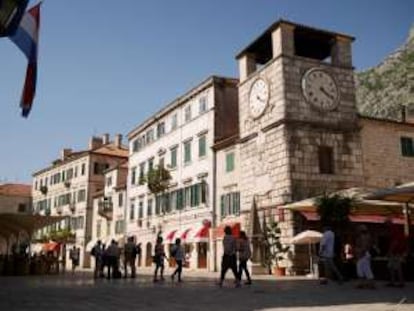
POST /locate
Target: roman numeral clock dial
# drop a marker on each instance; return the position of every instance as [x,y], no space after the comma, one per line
[258,98]
[320,89]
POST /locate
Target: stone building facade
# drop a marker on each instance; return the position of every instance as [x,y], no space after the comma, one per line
[66,187]
[180,138]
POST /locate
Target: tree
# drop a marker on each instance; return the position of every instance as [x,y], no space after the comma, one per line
[334,209]
[273,249]
[158,179]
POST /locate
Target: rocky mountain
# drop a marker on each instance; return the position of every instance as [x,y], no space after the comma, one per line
[382,90]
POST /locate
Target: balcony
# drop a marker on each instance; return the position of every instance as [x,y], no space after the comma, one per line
[105,208]
[59,210]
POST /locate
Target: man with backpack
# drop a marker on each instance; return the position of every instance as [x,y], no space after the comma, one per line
[178,253]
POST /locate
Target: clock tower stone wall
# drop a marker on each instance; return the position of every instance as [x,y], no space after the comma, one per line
[294,150]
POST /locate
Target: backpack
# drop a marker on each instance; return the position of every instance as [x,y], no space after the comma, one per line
[174,252]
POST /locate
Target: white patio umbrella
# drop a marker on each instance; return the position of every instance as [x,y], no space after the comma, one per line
[309,237]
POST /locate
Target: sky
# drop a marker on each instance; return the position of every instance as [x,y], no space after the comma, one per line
[105,68]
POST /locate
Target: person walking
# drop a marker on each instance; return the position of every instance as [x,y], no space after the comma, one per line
[244,255]
[178,253]
[326,253]
[74,255]
[97,252]
[130,256]
[397,250]
[229,259]
[362,246]
[112,257]
[159,256]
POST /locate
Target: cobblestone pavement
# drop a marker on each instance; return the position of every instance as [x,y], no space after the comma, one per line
[197,292]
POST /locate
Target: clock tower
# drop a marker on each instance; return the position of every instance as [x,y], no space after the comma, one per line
[299,133]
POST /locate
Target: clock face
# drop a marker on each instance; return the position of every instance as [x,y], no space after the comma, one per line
[320,89]
[258,98]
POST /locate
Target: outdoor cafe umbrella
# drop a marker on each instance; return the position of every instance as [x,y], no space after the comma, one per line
[308,237]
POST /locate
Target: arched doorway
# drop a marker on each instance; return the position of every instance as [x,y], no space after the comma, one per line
[148,255]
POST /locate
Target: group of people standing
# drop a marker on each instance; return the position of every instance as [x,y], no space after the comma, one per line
[110,257]
[359,253]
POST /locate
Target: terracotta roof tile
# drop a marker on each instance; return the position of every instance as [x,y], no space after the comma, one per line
[19,190]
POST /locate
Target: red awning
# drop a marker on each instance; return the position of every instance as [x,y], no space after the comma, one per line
[170,236]
[51,246]
[184,235]
[202,232]
[235,230]
[376,219]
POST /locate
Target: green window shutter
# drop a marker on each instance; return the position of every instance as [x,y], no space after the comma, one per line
[180,202]
[187,152]
[202,146]
[174,157]
[237,203]
[229,162]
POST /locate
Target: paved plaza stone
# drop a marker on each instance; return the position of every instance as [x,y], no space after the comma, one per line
[197,292]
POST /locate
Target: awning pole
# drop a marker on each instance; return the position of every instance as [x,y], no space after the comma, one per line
[407,221]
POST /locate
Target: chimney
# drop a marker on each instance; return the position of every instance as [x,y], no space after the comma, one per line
[105,139]
[65,153]
[95,142]
[118,140]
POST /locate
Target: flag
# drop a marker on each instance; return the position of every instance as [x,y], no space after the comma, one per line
[26,39]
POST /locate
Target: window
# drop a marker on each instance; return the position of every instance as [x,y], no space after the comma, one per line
[119,227]
[132,210]
[150,136]
[108,228]
[160,129]
[76,172]
[180,199]
[141,173]
[63,175]
[46,181]
[83,168]
[187,113]
[109,181]
[326,163]
[133,175]
[136,145]
[120,199]
[187,152]
[69,174]
[161,162]
[81,195]
[202,146]
[140,209]
[230,204]
[230,162]
[407,147]
[149,207]
[21,208]
[174,121]
[173,163]
[202,104]
[35,186]
[99,168]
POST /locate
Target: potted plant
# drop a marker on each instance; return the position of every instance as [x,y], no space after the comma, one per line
[273,250]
